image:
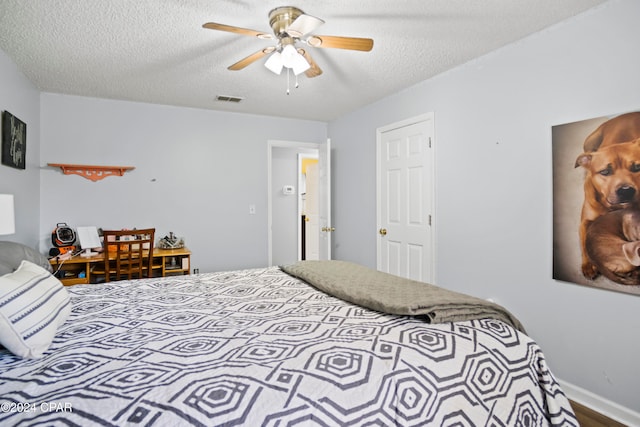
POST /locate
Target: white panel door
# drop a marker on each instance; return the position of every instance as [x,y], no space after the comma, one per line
[324,200]
[312,244]
[405,199]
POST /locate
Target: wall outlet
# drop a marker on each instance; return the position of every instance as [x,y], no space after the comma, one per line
[252,209]
[196,271]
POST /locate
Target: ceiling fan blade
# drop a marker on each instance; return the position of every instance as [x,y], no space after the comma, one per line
[251,59]
[237,30]
[351,43]
[314,71]
[304,24]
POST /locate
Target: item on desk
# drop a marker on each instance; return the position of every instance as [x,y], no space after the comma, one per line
[89,239]
[62,238]
[64,257]
[171,242]
[88,253]
[62,235]
[63,250]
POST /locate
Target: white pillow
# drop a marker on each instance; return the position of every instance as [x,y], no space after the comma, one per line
[33,304]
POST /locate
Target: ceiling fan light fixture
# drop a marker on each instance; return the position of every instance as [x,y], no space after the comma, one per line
[293,60]
[299,65]
[288,55]
[275,63]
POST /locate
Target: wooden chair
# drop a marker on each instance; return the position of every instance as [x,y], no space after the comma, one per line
[128,254]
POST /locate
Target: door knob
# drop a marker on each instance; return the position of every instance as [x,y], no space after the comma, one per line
[383,231]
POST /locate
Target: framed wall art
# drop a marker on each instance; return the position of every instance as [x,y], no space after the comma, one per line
[14,141]
[596,202]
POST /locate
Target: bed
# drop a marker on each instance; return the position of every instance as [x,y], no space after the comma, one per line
[263,347]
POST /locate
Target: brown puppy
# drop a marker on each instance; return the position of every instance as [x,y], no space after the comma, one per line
[613,245]
[623,128]
[612,182]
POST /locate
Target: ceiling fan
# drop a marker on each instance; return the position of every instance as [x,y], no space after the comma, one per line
[291,25]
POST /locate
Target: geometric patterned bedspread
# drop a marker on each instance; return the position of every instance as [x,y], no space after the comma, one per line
[260,348]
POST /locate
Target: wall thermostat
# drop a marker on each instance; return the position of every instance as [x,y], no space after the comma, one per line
[289,190]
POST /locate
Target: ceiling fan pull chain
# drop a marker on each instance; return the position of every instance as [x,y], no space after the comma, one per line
[297,85]
[288,73]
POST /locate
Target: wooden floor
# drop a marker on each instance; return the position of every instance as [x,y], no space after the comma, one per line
[587,417]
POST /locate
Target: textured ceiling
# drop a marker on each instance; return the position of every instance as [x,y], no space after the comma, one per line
[156,51]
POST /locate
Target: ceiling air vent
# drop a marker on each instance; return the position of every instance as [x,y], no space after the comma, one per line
[226,98]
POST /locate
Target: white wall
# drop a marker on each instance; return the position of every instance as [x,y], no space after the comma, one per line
[493,119]
[196,173]
[22,99]
[285,220]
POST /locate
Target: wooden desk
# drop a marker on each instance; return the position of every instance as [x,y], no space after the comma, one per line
[166,262]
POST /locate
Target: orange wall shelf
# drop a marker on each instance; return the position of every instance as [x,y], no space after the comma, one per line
[91,172]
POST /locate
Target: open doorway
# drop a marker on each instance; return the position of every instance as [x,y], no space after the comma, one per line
[289,193]
[308,207]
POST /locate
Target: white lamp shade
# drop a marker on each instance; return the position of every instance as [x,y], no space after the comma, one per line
[300,65]
[7,217]
[289,54]
[292,59]
[274,63]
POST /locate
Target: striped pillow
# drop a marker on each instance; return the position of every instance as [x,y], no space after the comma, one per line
[33,304]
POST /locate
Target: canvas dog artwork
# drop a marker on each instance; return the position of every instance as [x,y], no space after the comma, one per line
[612,182]
[612,245]
[608,228]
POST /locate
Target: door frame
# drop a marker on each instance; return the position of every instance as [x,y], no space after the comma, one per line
[271,144]
[432,167]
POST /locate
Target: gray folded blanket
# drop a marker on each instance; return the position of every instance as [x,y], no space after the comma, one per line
[396,295]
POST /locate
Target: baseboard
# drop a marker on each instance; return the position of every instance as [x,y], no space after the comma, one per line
[597,403]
